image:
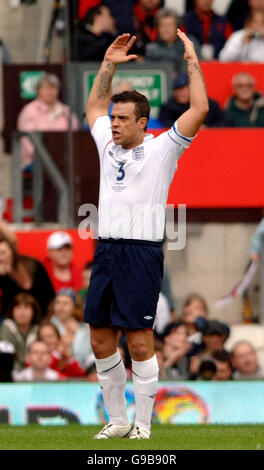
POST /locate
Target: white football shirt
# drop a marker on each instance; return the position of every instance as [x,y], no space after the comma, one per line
[134,183]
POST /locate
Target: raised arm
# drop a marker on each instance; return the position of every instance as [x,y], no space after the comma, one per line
[190,121]
[99,98]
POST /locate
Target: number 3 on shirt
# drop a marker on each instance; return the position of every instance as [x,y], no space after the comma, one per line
[121,171]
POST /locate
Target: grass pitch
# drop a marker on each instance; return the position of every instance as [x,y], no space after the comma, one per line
[164,437]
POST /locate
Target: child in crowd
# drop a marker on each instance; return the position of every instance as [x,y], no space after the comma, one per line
[60,350]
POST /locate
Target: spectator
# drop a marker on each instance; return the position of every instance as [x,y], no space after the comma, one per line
[180,102]
[145,12]
[7,357]
[224,369]
[94,34]
[246,107]
[7,233]
[86,276]
[194,315]
[245,362]
[45,113]
[215,335]
[60,351]
[63,316]
[168,46]
[247,44]
[207,27]
[38,358]
[123,14]
[239,11]
[257,242]
[60,267]
[21,325]
[175,350]
[207,369]
[22,274]
[158,348]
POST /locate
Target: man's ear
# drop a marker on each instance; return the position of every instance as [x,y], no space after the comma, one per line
[143,122]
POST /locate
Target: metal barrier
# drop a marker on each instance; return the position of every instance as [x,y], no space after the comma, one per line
[42,161]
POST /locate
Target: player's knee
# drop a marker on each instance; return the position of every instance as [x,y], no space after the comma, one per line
[139,350]
[102,348]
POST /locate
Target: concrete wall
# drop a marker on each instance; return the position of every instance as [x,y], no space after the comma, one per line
[212,262]
[24,30]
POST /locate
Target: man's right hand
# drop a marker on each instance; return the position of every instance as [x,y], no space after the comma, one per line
[117,52]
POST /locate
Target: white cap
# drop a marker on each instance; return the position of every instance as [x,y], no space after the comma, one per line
[59,239]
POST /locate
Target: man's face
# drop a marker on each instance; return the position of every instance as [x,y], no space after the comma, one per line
[48,93]
[182,95]
[62,256]
[39,357]
[167,29]
[223,371]
[149,4]
[244,88]
[125,129]
[107,21]
[214,342]
[256,5]
[245,359]
[204,5]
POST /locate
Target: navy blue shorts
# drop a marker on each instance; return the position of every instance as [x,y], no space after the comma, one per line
[125,283]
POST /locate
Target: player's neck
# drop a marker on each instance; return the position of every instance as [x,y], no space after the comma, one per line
[135,143]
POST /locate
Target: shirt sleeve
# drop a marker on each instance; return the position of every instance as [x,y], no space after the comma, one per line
[171,144]
[102,133]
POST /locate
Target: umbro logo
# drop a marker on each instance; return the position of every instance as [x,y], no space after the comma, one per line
[148,318]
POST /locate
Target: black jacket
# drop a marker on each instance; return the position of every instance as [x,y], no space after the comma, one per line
[171,111]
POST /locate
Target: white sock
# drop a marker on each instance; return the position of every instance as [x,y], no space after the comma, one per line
[145,378]
[112,377]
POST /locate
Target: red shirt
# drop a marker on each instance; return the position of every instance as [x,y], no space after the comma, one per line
[76,277]
[70,367]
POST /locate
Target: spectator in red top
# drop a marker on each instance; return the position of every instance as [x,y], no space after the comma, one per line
[61,270]
[59,348]
[145,12]
[208,27]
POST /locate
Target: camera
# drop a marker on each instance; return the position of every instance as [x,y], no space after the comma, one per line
[256,35]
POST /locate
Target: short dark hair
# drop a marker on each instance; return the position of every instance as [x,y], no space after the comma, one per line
[142,106]
[92,13]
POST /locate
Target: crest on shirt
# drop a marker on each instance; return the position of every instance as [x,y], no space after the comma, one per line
[111,153]
[138,153]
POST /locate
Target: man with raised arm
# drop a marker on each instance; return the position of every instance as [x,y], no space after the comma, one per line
[136,171]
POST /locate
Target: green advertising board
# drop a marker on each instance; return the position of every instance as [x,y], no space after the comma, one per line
[153,84]
[28,80]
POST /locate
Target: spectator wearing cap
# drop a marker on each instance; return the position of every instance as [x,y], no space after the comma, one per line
[20,273]
[45,113]
[245,362]
[208,27]
[64,316]
[38,358]
[63,272]
[215,335]
[180,102]
[168,46]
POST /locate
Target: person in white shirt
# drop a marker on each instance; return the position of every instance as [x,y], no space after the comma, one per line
[39,358]
[247,44]
[136,171]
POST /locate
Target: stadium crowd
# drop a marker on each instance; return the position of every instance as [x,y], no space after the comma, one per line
[42,332]
[43,335]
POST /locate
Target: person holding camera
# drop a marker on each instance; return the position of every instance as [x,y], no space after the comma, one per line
[247,44]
